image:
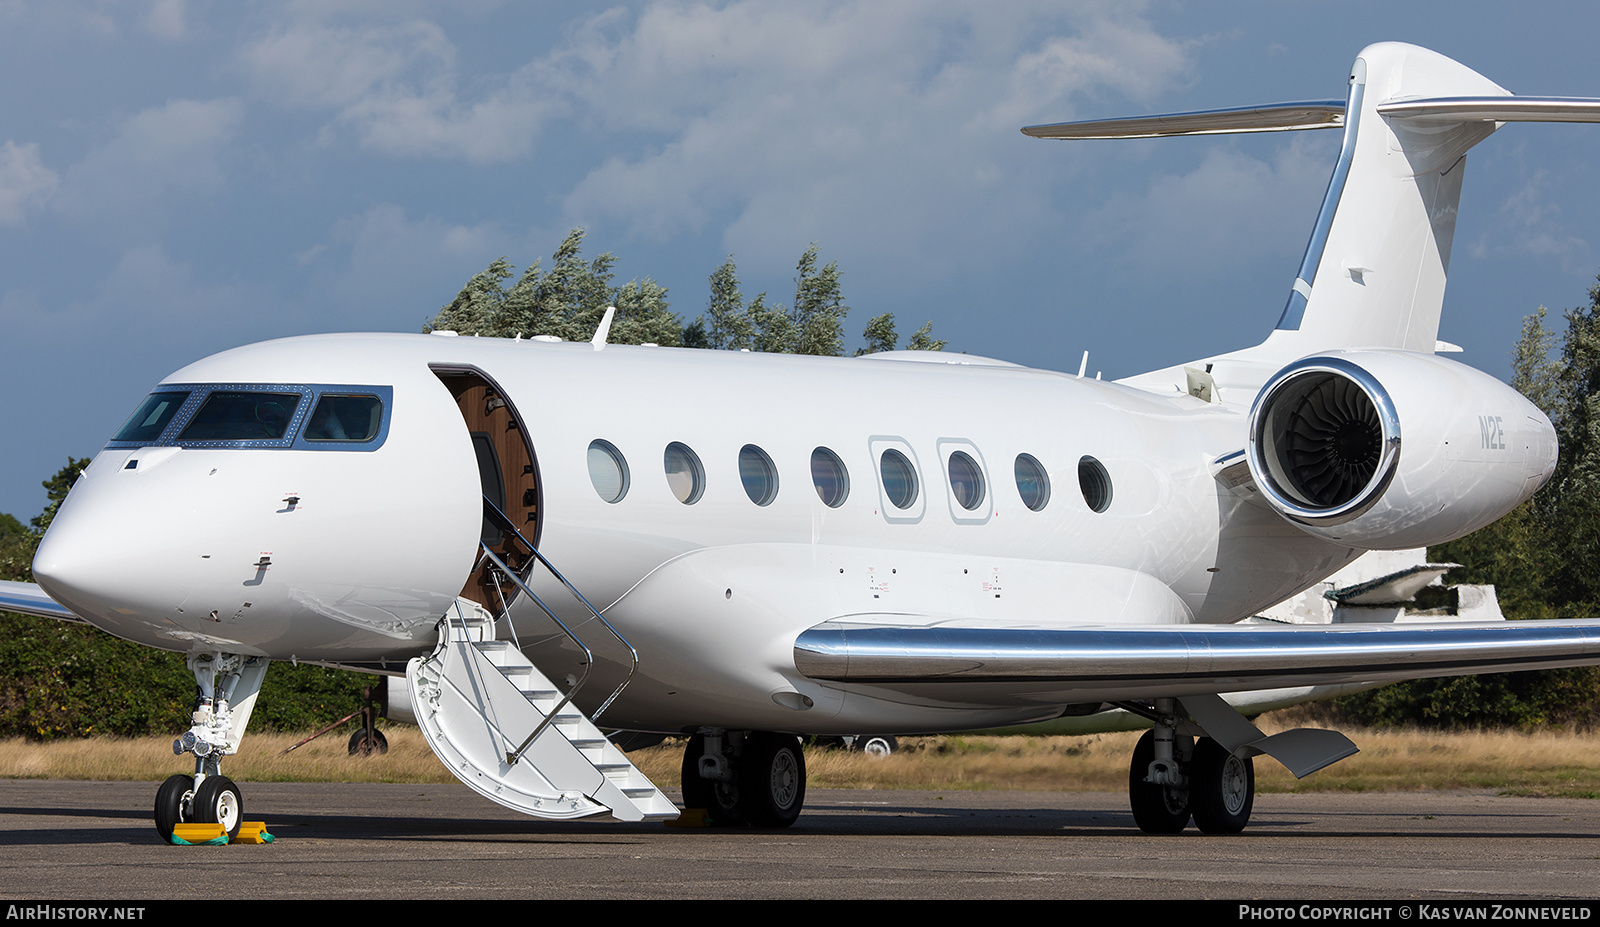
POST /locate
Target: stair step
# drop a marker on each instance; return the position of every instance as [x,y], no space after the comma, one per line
[572,773]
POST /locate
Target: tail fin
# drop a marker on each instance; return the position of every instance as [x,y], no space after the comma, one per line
[1374,271]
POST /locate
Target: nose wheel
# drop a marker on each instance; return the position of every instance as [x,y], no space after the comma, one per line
[216,801]
[718,797]
[173,803]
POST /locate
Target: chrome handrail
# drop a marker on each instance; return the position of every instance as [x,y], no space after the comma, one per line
[493,512]
[588,663]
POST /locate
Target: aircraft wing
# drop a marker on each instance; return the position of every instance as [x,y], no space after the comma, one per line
[29,599]
[1110,663]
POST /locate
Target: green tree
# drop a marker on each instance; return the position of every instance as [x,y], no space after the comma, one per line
[922,339]
[1533,373]
[730,327]
[1542,558]
[879,335]
[56,489]
[819,308]
[1570,504]
[16,550]
[567,301]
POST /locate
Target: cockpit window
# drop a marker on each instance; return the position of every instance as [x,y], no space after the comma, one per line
[152,417]
[242,416]
[344,418]
[261,416]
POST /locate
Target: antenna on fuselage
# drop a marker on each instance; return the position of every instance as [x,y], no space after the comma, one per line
[1083,365]
[604,329]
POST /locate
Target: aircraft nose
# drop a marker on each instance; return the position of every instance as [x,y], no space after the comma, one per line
[93,558]
[61,569]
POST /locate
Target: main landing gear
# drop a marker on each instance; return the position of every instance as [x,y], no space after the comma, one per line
[228,686]
[1174,777]
[756,777]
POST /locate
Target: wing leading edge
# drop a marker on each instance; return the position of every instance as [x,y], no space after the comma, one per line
[29,599]
[1112,663]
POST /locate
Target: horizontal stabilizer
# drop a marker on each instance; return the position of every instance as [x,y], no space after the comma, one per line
[1273,117]
[1452,110]
[29,599]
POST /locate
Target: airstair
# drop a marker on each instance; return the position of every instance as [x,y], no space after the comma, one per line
[508,732]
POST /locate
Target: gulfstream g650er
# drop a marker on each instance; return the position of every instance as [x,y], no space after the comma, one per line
[776,546]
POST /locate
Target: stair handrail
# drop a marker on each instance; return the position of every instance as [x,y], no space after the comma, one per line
[588,663]
[505,608]
[494,513]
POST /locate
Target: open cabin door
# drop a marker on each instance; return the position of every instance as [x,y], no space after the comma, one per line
[507,470]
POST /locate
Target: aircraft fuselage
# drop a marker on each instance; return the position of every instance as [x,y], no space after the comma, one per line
[349,556]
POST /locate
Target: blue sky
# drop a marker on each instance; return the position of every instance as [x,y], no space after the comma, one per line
[180,178]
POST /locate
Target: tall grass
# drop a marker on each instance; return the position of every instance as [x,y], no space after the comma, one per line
[1548,763]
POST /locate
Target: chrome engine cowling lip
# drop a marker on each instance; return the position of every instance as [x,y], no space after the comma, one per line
[1268,470]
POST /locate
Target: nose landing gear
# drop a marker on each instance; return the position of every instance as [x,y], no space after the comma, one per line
[228,686]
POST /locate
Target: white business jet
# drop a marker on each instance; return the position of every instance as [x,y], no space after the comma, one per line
[538,536]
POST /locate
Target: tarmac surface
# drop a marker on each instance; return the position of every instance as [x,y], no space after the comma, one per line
[95,840]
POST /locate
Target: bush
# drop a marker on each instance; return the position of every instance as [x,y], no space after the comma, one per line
[68,680]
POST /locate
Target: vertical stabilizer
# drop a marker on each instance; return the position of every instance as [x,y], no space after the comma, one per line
[1374,271]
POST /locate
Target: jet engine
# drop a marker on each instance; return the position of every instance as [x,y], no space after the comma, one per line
[1386,449]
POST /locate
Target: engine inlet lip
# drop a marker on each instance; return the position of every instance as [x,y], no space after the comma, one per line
[1259,450]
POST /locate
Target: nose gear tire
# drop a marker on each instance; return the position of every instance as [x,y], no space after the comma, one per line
[217,801]
[171,799]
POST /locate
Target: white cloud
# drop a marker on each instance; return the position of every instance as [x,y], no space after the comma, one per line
[176,148]
[1528,224]
[748,83]
[166,20]
[385,260]
[1229,207]
[143,289]
[25,182]
[325,66]
[394,86]
[815,118]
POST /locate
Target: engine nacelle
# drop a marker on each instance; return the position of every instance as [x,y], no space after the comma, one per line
[1387,450]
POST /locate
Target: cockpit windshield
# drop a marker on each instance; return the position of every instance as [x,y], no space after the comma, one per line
[345,418]
[152,417]
[252,416]
[268,415]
